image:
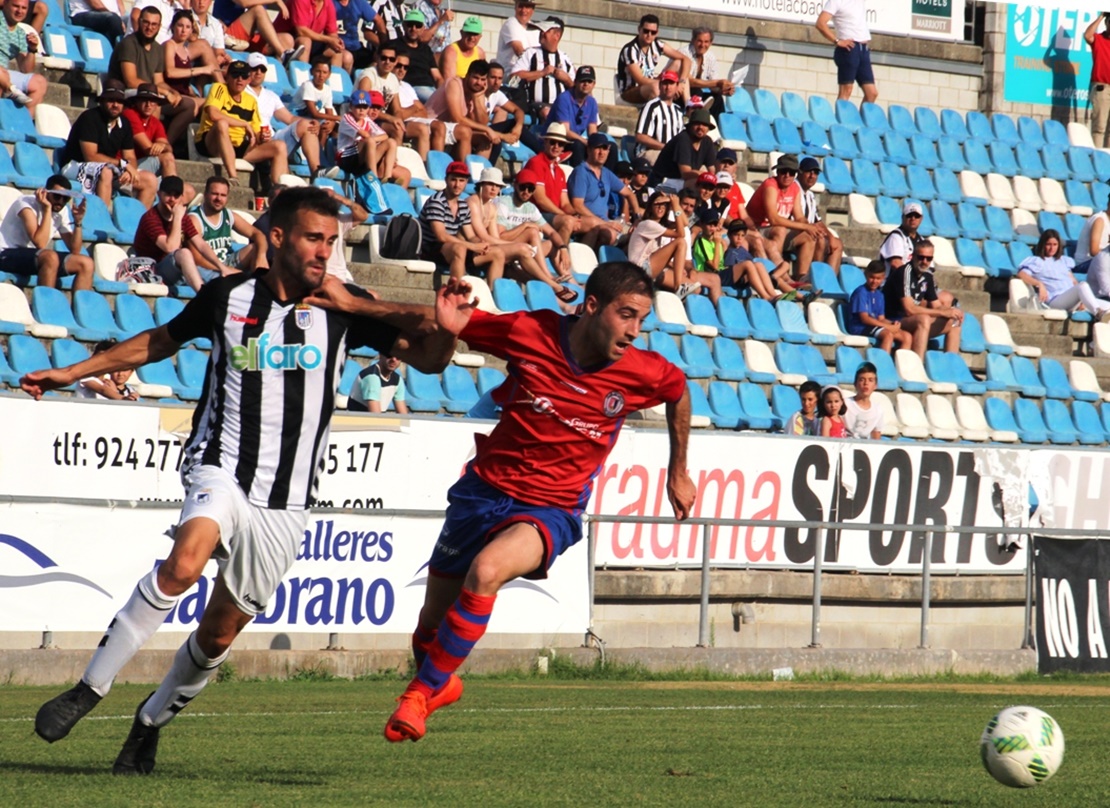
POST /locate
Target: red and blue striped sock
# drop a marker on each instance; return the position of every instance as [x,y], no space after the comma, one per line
[462,627]
[422,640]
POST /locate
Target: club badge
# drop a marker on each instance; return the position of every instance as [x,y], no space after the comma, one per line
[614,403]
[303,316]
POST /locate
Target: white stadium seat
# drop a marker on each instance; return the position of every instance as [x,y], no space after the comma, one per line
[942,419]
[996,331]
[1022,301]
[999,192]
[912,417]
[822,320]
[1026,194]
[911,369]
[14,309]
[759,358]
[1052,196]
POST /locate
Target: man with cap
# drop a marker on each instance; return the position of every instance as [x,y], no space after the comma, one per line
[599,197]
[230,127]
[448,238]
[151,144]
[423,71]
[897,247]
[456,58]
[914,302]
[19,44]
[520,220]
[551,195]
[100,151]
[278,122]
[688,154]
[544,71]
[166,232]
[851,46]
[461,105]
[660,119]
[516,35]
[644,59]
[437,23]
[776,208]
[829,248]
[577,110]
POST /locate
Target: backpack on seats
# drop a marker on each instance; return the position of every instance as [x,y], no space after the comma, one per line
[402,238]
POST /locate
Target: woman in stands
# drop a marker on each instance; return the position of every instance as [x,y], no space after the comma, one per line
[658,244]
[529,257]
[1048,274]
[184,74]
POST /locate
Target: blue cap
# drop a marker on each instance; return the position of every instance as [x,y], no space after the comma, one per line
[360,98]
[726,154]
[597,139]
[709,216]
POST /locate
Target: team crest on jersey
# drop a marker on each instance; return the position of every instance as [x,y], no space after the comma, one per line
[303,316]
[613,404]
[202,497]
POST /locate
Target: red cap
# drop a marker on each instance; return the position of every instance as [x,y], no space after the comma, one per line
[460,168]
[528,177]
[708,178]
[376,99]
[669,75]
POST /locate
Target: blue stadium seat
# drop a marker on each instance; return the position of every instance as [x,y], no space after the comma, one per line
[1029,161]
[695,353]
[164,373]
[27,354]
[60,42]
[126,213]
[815,139]
[728,357]
[700,311]
[921,183]
[871,145]
[1004,129]
[664,345]
[892,182]
[726,406]
[437,163]
[944,222]
[794,108]
[785,401]
[767,104]
[926,228]
[1057,384]
[133,314]
[739,103]
[1073,225]
[897,149]
[65,352]
[848,114]
[1056,162]
[508,296]
[874,117]
[398,199]
[999,264]
[843,142]
[1090,429]
[1030,418]
[1079,195]
[1101,162]
[1001,417]
[837,177]
[761,137]
[8,174]
[1000,375]
[821,111]
[1047,220]
[948,186]
[538,295]
[1079,161]
[732,126]
[459,388]
[971,221]
[7,375]
[765,323]
[866,178]
[950,367]
[953,124]
[979,126]
[1026,374]
[32,167]
[51,306]
[91,310]
[795,329]
[927,122]
[848,361]
[999,225]
[851,277]
[951,154]
[1030,132]
[969,254]
[1100,191]
[423,391]
[699,405]
[733,318]
[755,406]
[786,135]
[191,365]
[804,360]
[822,276]
[889,378]
[1056,134]
[1002,158]
[924,152]
[977,156]
[901,121]
[888,210]
[15,117]
[489,379]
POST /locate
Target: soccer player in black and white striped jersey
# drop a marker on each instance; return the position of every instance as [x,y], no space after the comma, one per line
[250,465]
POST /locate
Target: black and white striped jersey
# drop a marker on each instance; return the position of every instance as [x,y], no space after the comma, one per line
[270,385]
[660,120]
[543,90]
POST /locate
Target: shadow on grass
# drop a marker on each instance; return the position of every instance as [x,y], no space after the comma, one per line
[51,768]
[914,801]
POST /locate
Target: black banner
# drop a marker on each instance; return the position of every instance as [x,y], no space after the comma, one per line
[1073,604]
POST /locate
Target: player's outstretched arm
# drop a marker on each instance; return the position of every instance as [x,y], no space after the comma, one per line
[335,295]
[149,346]
[680,488]
[431,351]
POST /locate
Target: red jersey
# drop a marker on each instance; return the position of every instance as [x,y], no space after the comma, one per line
[757,207]
[1100,52]
[559,421]
[151,127]
[554,180]
[735,200]
[151,226]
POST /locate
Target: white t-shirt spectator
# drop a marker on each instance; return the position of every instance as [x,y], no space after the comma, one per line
[388,86]
[709,69]
[849,18]
[307,94]
[495,100]
[12,232]
[513,31]
[859,422]
[212,33]
[511,216]
[269,102]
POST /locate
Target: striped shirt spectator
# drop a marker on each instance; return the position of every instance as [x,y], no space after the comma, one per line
[659,119]
[437,209]
[543,91]
[650,60]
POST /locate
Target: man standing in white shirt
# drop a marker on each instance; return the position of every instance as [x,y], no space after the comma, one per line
[516,36]
[852,41]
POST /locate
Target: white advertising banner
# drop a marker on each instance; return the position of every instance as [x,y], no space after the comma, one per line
[932,19]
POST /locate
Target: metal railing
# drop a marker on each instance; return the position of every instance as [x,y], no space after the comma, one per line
[818,557]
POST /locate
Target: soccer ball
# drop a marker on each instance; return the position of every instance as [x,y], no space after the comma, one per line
[1022,747]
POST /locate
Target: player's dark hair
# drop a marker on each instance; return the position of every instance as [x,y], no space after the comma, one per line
[810,387]
[216,180]
[866,367]
[58,181]
[612,279]
[288,207]
[479,67]
[103,345]
[648,18]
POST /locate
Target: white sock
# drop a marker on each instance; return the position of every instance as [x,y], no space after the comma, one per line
[132,626]
[188,675]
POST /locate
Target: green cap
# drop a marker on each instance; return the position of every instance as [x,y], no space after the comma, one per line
[472,25]
[412,15]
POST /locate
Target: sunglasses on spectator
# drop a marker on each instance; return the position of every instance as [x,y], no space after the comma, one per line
[926,258]
[414,24]
[912,215]
[787,172]
[57,198]
[649,31]
[401,66]
[384,58]
[529,188]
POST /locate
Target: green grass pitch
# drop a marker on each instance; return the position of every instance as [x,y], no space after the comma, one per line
[538,742]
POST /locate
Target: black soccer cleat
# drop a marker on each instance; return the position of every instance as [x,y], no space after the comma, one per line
[140,748]
[59,715]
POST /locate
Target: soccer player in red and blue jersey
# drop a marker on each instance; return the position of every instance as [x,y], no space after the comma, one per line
[571,383]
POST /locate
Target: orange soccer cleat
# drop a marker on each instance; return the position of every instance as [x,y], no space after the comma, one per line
[451,692]
[407,721]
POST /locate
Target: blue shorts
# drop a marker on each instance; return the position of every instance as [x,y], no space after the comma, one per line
[854,66]
[476,511]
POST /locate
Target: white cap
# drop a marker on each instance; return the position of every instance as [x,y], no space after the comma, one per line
[257,60]
[724,178]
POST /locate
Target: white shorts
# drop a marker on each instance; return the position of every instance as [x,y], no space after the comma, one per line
[21,81]
[257,545]
[288,136]
[450,141]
